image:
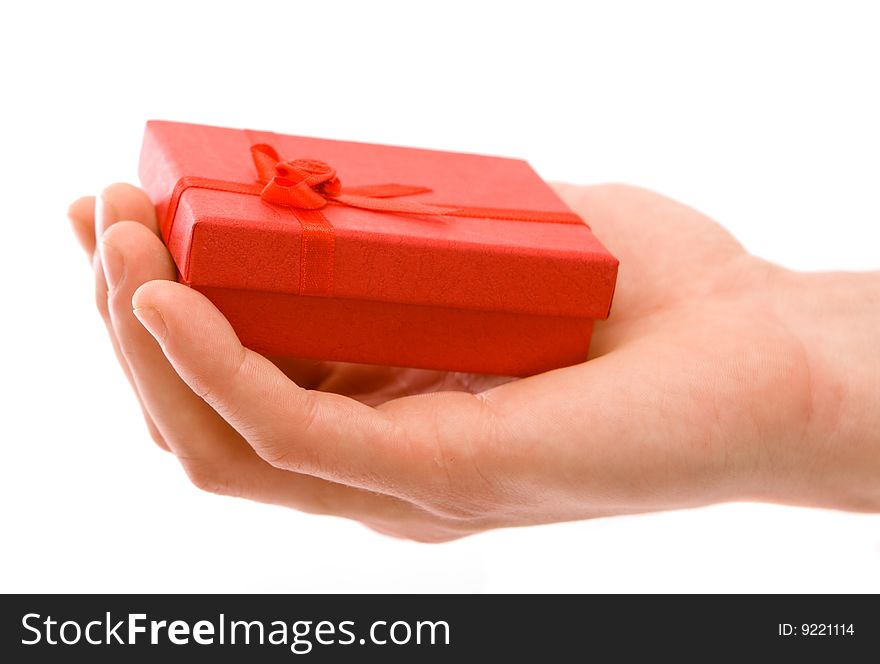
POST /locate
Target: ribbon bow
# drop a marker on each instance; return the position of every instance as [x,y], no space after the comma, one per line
[309,184]
[306,186]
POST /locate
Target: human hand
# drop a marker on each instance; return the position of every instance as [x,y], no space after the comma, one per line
[718,377]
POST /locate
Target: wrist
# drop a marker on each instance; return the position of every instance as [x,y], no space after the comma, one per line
[832,455]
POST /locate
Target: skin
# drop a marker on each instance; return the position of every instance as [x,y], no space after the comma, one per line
[718,377]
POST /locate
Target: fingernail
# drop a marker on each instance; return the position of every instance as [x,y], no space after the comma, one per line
[151,318]
[105,215]
[114,265]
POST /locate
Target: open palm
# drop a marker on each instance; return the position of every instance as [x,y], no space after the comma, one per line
[666,254]
[672,409]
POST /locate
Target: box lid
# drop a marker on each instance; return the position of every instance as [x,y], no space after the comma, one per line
[235,240]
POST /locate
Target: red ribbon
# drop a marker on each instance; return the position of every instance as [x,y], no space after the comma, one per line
[306,186]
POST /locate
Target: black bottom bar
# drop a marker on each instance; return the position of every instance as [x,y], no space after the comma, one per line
[433,628]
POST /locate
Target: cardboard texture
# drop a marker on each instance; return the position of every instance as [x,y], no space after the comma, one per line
[445,292]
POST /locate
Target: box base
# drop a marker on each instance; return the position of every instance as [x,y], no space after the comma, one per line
[403,335]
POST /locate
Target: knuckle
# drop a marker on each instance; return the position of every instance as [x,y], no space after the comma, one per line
[208,478]
[275,452]
[201,385]
[204,384]
[281,451]
[466,486]
[308,414]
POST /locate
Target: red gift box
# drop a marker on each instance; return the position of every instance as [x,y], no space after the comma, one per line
[378,254]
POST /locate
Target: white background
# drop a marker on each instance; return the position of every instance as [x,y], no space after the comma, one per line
[764,115]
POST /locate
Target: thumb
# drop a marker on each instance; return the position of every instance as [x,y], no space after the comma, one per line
[321,434]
